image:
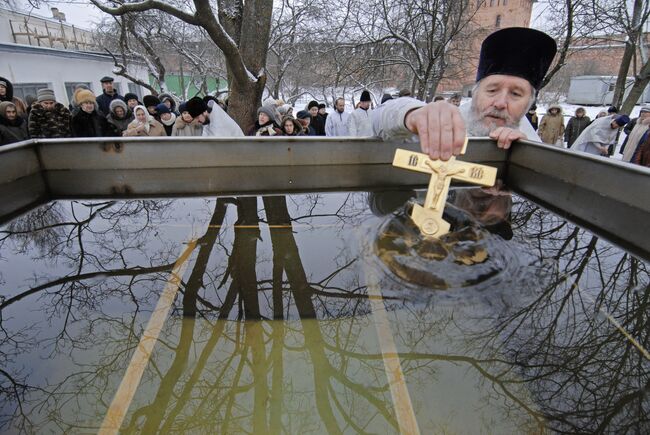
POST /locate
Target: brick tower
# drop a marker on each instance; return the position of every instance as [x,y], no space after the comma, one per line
[489,16]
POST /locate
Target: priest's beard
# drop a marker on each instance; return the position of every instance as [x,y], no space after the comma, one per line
[481,123]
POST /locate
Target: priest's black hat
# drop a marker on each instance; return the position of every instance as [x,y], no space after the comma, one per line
[517,51]
[196,106]
[365,96]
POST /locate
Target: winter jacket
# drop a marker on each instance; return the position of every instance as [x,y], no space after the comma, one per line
[118,126]
[533,119]
[155,129]
[104,102]
[574,127]
[49,124]
[337,124]
[182,128]
[551,128]
[642,156]
[318,124]
[360,123]
[169,125]
[85,124]
[13,131]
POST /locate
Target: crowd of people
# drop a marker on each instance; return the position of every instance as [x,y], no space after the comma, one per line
[597,137]
[111,114]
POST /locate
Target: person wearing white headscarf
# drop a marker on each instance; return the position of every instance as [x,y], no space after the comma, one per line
[144,124]
[220,124]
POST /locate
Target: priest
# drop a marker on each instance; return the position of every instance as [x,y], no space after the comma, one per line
[512,65]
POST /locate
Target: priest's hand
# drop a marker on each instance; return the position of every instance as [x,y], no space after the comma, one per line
[505,136]
[440,127]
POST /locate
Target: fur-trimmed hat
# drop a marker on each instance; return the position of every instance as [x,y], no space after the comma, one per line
[45,95]
[117,103]
[131,96]
[84,96]
[365,96]
[150,100]
[196,106]
[312,103]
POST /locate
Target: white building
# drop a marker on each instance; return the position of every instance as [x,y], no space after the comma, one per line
[39,52]
[599,90]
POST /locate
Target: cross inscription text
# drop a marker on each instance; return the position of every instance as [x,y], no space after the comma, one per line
[428,218]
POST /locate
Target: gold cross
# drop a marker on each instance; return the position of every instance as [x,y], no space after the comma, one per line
[429,217]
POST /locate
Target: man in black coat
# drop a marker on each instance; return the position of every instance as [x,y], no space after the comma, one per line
[108,94]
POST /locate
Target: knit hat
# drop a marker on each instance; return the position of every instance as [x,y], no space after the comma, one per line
[311,104]
[84,96]
[131,96]
[196,106]
[268,111]
[3,83]
[182,107]
[303,114]
[150,100]
[117,103]
[45,95]
[612,109]
[645,109]
[162,108]
[321,106]
[365,96]
[621,120]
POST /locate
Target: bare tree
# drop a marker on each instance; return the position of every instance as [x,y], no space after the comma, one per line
[245,51]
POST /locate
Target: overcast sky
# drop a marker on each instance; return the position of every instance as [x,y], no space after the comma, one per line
[81,13]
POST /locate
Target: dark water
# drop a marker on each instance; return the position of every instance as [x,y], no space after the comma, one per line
[517,322]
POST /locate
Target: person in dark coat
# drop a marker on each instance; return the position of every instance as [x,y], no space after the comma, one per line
[88,122]
[7,94]
[575,126]
[13,128]
[265,124]
[169,101]
[317,121]
[531,116]
[108,94]
[48,119]
[119,118]
[322,111]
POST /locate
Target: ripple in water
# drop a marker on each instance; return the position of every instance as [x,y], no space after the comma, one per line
[468,263]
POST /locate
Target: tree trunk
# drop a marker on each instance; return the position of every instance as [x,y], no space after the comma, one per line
[640,83]
[621,80]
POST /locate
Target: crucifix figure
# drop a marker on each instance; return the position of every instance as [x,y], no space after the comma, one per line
[428,218]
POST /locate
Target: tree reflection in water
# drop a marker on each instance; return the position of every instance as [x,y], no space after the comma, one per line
[272,331]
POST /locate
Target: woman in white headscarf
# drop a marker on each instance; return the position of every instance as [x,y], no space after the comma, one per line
[144,124]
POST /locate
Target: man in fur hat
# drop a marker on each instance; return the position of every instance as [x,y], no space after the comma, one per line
[108,94]
[360,120]
[48,119]
[512,65]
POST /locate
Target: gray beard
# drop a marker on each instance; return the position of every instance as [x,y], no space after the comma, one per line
[478,125]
